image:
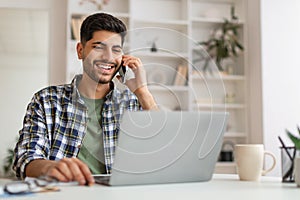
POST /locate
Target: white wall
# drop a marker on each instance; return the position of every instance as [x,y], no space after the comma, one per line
[280,27]
[32,56]
[23,67]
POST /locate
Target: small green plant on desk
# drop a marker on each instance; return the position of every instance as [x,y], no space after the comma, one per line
[295,139]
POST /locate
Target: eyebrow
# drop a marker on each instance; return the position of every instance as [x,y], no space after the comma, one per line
[104,44]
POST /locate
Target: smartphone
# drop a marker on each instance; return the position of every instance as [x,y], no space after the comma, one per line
[122,71]
[125,72]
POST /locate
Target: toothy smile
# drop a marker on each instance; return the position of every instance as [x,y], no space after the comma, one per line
[107,67]
[104,66]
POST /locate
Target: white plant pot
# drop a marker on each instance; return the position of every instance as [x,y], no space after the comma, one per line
[297,170]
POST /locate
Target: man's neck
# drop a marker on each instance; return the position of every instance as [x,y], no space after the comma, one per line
[92,90]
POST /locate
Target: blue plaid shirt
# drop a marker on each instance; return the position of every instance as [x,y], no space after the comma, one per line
[56,120]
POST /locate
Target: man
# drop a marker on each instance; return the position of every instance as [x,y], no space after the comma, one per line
[70,131]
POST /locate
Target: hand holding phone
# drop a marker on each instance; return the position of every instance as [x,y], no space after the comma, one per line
[132,72]
[126,73]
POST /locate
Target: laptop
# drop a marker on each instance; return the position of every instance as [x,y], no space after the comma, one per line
[166,147]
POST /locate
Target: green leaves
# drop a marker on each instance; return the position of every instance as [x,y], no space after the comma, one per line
[223,42]
[8,161]
[294,139]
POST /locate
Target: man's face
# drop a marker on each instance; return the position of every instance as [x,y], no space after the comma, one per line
[102,56]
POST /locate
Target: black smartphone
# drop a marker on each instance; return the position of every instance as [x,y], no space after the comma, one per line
[122,71]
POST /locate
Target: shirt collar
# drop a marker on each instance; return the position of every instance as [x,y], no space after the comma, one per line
[76,94]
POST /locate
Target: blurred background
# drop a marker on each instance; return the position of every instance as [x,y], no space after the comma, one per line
[262,94]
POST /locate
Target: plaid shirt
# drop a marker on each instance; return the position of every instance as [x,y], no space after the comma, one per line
[56,120]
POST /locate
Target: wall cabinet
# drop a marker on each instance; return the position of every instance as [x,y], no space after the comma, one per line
[165,35]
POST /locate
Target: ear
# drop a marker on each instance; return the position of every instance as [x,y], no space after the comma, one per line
[79,49]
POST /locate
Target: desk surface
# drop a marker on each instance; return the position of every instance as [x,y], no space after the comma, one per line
[220,187]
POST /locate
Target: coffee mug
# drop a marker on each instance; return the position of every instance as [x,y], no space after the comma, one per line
[249,161]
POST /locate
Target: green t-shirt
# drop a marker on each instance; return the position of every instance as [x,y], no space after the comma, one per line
[92,151]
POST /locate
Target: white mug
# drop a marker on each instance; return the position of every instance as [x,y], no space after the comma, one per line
[249,160]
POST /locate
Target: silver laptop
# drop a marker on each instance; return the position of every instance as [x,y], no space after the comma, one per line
[166,147]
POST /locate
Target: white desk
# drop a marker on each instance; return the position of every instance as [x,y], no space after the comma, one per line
[220,188]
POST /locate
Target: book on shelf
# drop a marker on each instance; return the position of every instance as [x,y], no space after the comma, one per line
[181,75]
[75,27]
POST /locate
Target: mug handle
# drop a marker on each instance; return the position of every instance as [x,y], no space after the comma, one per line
[264,172]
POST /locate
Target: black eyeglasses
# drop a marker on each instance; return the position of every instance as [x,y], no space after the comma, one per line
[17,187]
[33,185]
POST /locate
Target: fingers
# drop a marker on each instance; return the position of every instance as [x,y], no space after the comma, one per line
[60,171]
[85,172]
[55,173]
[71,169]
[131,61]
[136,66]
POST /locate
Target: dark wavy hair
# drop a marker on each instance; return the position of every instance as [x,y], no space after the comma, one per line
[100,22]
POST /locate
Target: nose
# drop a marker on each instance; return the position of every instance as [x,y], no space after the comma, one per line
[107,54]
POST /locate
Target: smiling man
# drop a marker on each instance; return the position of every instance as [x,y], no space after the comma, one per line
[70,131]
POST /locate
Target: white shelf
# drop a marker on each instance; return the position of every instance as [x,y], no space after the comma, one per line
[216,1]
[220,106]
[119,14]
[211,20]
[226,164]
[234,134]
[207,20]
[116,14]
[82,13]
[172,88]
[222,77]
[165,22]
[225,168]
[161,54]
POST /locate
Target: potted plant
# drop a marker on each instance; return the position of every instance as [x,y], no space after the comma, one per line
[296,141]
[8,163]
[223,43]
[7,167]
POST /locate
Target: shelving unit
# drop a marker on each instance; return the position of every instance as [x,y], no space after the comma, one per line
[175,26]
